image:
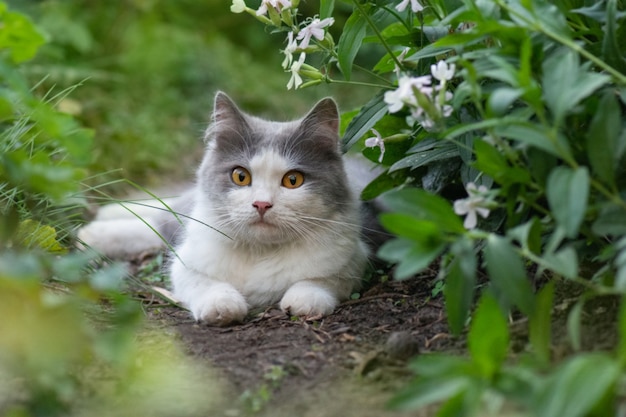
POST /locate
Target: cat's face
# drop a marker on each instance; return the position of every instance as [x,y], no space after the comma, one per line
[274,182]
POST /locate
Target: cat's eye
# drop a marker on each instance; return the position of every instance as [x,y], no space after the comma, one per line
[293,179]
[241,176]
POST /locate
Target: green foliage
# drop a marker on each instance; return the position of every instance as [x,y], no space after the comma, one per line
[61,353]
[580,386]
[146,87]
[43,152]
[70,342]
[514,112]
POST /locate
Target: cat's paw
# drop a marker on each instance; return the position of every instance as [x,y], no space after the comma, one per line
[308,299]
[221,305]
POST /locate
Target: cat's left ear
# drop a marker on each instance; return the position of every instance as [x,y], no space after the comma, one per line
[324,115]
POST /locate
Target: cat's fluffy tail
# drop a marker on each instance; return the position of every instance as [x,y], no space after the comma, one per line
[126,229]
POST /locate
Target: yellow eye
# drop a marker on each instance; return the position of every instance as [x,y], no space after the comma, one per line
[293,179]
[241,176]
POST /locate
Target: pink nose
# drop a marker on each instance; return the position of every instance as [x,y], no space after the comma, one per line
[262,206]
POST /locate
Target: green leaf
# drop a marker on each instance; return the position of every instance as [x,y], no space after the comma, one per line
[596,11]
[535,135]
[501,99]
[460,284]
[437,364]
[574,323]
[611,221]
[441,150]
[539,15]
[566,83]
[577,386]
[611,51]
[488,339]
[350,42]
[412,257]
[424,205]
[528,235]
[563,262]
[429,391]
[405,225]
[19,35]
[491,162]
[370,113]
[507,274]
[381,184]
[540,324]
[326,8]
[603,138]
[33,234]
[567,191]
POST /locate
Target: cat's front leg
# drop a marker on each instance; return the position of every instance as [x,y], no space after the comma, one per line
[309,298]
[213,302]
[219,305]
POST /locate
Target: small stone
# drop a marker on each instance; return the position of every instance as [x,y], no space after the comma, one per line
[401,345]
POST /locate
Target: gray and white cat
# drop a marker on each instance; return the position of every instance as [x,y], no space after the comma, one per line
[274,219]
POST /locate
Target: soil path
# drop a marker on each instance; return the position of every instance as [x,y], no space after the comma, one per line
[349,363]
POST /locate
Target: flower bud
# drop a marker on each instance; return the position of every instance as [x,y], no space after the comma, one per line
[310,83]
[274,16]
[310,72]
[286,16]
[238,6]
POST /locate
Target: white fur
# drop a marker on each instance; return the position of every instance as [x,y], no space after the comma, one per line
[310,271]
[302,252]
[127,228]
[119,238]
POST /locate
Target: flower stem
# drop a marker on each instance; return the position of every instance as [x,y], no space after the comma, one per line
[363,84]
[377,32]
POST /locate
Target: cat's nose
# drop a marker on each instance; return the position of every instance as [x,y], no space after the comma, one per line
[262,206]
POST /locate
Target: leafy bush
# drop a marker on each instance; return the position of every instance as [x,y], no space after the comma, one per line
[509,114]
[147,73]
[43,152]
[70,342]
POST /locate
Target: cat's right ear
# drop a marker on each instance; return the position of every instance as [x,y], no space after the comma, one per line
[226,117]
[225,109]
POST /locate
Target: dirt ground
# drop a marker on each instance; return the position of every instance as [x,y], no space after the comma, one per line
[349,363]
[352,362]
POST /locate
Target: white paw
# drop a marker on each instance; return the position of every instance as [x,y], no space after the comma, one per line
[220,305]
[308,299]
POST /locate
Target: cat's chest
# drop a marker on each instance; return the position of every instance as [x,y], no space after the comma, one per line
[251,270]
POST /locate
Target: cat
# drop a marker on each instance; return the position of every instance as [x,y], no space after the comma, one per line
[272,218]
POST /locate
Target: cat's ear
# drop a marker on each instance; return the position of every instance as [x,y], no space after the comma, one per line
[323,115]
[227,119]
[225,110]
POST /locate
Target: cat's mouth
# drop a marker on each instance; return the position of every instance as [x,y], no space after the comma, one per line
[263,223]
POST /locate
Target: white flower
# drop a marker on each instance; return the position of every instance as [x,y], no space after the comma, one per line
[404,94]
[292,45]
[476,202]
[415,6]
[238,6]
[376,141]
[442,71]
[278,5]
[296,81]
[314,29]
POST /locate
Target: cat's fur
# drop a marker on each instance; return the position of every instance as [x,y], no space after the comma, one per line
[261,243]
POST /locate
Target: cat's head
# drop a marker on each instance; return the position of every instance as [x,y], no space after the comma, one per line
[274,182]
